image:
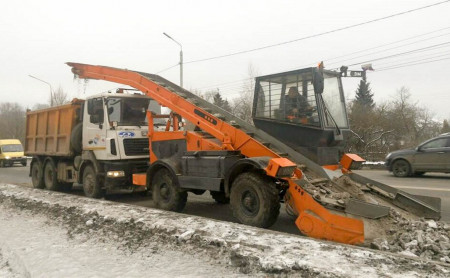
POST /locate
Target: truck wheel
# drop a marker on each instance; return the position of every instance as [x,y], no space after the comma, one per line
[166,192]
[24,163]
[255,200]
[401,168]
[220,197]
[2,164]
[91,187]
[50,176]
[36,175]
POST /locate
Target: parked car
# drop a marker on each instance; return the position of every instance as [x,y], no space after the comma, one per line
[430,156]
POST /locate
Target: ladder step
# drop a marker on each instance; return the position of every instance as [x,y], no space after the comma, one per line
[266,144]
[251,134]
[283,154]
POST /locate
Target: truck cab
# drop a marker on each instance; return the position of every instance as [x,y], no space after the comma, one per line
[99,142]
[289,107]
[114,138]
[11,151]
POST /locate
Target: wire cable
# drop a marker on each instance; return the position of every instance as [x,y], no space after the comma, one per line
[319,34]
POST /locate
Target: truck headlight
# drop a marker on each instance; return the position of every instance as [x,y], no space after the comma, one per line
[389,155]
[7,157]
[115,174]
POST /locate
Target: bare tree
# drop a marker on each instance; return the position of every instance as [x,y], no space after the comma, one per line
[242,105]
[12,121]
[59,97]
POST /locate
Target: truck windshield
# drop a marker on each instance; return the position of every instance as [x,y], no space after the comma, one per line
[12,148]
[127,111]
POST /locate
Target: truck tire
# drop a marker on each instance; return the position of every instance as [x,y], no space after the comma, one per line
[166,192]
[76,138]
[219,197]
[36,175]
[2,164]
[255,200]
[51,176]
[91,187]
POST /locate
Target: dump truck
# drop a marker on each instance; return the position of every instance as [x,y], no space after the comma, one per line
[253,170]
[99,141]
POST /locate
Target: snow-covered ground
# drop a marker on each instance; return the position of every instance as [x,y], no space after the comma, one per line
[50,234]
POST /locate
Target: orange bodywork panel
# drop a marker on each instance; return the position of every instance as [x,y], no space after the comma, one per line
[140,179]
[313,219]
[316,221]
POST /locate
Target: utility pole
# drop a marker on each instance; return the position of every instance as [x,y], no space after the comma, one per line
[51,90]
[181,58]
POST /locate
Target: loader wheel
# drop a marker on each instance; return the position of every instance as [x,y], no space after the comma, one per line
[50,176]
[255,200]
[220,197]
[401,168]
[24,163]
[36,175]
[166,192]
[91,187]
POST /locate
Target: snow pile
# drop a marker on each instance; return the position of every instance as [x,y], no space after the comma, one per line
[139,230]
[427,239]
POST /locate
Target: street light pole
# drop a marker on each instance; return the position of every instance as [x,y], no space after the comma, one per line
[51,89]
[181,58]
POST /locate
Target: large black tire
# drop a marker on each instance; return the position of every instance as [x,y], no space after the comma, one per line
[91,186]
[37,175]
[24,163]
[166,192]
[255,200]
[220,197]
[401,168]
[50,176]
[76,138]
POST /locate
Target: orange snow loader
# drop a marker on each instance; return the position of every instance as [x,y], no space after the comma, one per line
[205,148]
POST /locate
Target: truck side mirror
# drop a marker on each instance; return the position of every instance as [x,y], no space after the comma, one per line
[318,81]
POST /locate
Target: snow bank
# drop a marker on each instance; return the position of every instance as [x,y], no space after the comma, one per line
[248,250]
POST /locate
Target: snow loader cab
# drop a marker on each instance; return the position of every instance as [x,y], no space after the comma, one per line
[303,111]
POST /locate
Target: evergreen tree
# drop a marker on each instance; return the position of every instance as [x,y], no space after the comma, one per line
[445,127]
[364,96]
[219,101]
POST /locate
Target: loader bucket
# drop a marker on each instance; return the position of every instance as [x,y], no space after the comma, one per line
[423,206]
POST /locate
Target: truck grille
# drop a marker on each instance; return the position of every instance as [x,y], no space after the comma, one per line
[136,146]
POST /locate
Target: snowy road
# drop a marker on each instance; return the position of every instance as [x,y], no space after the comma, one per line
[49,234]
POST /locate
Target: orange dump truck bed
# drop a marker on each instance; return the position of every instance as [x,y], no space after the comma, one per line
[48,131]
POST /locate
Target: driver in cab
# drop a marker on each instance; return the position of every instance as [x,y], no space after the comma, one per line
[297,108]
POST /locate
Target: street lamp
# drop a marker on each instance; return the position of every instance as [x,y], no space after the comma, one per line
[181,58]
[51,90]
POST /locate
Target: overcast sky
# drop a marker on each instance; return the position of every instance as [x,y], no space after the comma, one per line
[38,37]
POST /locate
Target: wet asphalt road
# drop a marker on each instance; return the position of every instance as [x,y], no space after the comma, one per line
[436,185]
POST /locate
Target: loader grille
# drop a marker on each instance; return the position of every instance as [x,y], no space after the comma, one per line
[136,146]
